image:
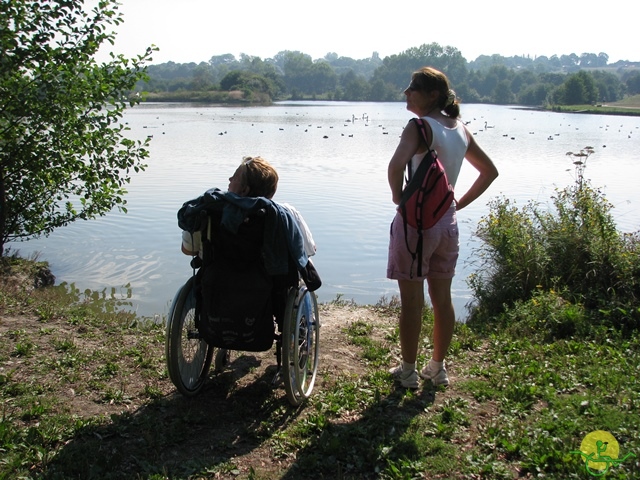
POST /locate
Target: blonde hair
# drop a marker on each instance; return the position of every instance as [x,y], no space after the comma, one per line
[429,79]
[260,177]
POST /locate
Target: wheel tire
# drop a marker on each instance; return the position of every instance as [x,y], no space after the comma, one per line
[300,345]
[188,356]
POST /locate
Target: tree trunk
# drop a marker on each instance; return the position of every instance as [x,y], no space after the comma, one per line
[3,211]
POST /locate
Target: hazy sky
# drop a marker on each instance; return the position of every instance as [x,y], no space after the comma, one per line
[196,30]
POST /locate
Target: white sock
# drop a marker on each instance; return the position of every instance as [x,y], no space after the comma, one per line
[408,367]
[436,366]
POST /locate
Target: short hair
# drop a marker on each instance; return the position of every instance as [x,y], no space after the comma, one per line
[260,177]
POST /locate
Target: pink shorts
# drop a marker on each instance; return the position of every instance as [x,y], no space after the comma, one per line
[440,247]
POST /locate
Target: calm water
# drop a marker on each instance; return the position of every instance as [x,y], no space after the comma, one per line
[332,159]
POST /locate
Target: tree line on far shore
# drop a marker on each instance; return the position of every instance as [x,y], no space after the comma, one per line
[541,81]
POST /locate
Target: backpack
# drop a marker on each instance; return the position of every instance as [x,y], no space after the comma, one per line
[427,195]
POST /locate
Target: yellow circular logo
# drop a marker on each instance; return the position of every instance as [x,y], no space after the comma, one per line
[599,448]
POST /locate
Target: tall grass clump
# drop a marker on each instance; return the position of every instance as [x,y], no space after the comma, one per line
[545,259]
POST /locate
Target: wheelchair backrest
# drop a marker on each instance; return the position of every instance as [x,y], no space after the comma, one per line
[239,303]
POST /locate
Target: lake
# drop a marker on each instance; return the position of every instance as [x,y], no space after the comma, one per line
[332,160]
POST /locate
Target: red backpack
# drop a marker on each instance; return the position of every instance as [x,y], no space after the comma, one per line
[427,195]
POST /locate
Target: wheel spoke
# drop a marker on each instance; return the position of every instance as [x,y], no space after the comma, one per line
[188,356]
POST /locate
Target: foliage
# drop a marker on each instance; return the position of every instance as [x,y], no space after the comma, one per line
[546,316]
[577,89]
[633,83]
[488,79]
[570,63]
[573,249]
[63,153]
[247,82]
[396,70]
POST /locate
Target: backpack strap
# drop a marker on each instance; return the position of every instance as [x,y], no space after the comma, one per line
[417,255]
[422,126]
[420,123]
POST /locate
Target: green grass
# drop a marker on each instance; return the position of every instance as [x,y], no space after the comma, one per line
[518,405]
[630,101]
[603,109]
[628,106]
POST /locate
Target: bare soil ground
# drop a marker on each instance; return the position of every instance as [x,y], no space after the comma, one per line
[337,357]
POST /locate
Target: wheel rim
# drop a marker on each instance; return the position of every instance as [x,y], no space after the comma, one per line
[188,357]
[304,343]
[192,352]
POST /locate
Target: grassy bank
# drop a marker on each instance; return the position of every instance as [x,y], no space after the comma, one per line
[213,97]
[629,106]
[85,395]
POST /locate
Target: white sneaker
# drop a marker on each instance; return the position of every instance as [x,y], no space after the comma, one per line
[438,377]
[408,379]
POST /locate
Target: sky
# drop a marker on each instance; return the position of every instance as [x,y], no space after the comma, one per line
[196,30]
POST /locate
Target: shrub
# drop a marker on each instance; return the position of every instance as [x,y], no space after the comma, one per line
[546,316]
[512,259]
[573,248]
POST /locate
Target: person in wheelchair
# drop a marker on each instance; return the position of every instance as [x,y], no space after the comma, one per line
[254,177]
[254,283]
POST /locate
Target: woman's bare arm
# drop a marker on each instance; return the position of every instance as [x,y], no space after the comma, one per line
[486,169]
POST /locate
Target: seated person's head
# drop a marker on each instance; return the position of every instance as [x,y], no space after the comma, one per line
[255,177]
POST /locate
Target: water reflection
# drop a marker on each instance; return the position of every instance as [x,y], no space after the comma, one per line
[107,300]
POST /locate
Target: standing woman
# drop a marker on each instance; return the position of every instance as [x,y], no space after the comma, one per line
[430,97]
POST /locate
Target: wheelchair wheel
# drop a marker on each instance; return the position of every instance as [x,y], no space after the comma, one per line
[188,356]
[300,344]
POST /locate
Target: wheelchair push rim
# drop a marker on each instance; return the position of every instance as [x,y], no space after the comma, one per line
[188,356]
[301,344]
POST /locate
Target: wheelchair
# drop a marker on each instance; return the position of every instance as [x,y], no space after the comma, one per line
[232,303]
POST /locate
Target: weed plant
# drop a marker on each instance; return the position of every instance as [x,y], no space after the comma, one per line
[570,261]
